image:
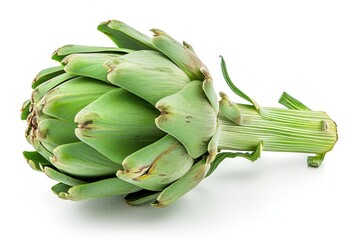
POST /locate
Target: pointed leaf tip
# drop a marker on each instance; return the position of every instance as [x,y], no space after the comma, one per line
[35,160]
[183,57]
[156,32]
[187,182]
[125,36]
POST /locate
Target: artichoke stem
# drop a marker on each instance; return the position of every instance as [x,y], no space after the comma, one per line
[280,130]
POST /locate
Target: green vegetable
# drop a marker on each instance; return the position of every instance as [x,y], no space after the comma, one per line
[143,120]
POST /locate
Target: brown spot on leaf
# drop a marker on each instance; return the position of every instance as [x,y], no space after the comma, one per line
[188,118]
[163,110]
[85,125]
[42,134]
[53,159]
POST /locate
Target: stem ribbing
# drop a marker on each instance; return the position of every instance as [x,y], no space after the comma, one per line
[281,130]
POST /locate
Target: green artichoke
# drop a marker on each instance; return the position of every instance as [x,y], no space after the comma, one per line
[143,120]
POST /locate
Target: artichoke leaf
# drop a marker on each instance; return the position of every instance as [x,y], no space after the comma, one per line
[189,117]
[53,132]
[213,145]
[147,74]
[187,182]
[141,197]
[66,100]
[157,165]
[42,89]
[79,159]
[61,177]
[118,124]
[125,36]
[60,190]
[229,109]
[99,189]
[47,74]
[208,88]
[25,109]
[88,64]
[182,56]
[66,50]
[34,140]
[36,160]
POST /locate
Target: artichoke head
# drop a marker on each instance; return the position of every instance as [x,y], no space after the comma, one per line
[139,119]
[142,120]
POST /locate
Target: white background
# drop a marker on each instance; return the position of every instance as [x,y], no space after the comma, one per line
[311,49]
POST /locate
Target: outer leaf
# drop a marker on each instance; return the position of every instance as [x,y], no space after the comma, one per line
[88,64]
[125,36]
[36,160]
[53,132]
[46,75]
[229,109]
[157,165]
[42,89]
[67,99]
[118,124]
[25,109]
[141,197]
[103,188]
[187,182]
[213,145]
[209,90]
[60,189]
[61,177]
[147,74]
[185,58]
[39,147]
[189,117]
[66,50]
[78,159]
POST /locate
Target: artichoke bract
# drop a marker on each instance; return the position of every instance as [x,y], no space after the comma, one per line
[143,120]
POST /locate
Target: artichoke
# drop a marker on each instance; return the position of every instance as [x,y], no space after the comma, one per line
[143,120]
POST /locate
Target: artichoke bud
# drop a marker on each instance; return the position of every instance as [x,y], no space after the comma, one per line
[138,119]
[143,120]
